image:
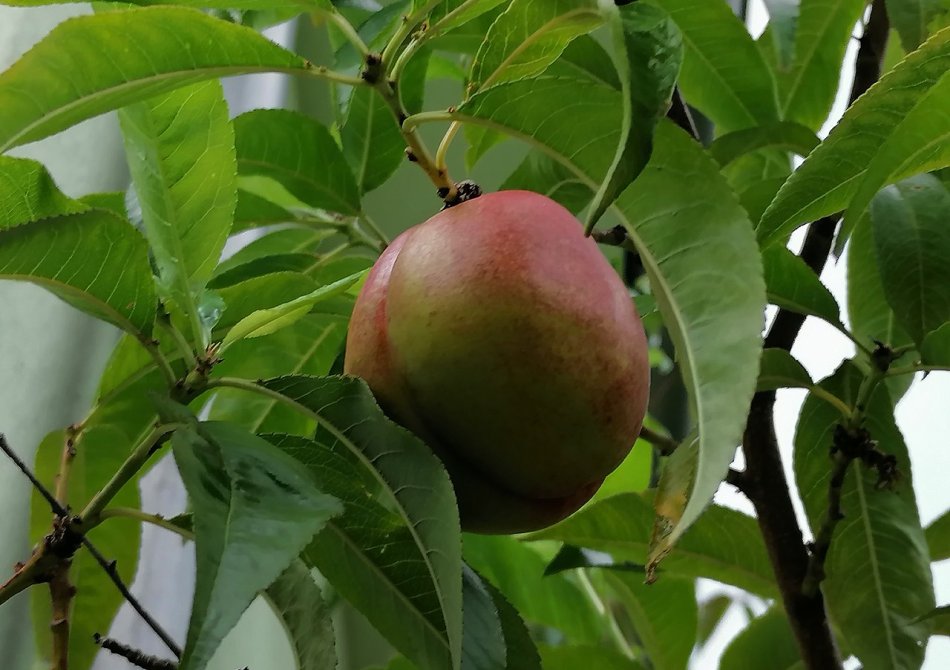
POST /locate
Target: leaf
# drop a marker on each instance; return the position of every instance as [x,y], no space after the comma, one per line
[779,369]
[283,241]
[792,285]
[260,293]
[663,614]
[783,22]
[255,509]
[542,174]
[518,570]
[299,153]
[296,599]
[710,616]
[483,643]
[584,57]
[266,321]
[520,650]
[766,643]
[648,53]
[138,54]
[571,658]
[55,253]
[828,179]
[451,14]
[917,144]
[409,549]
[717,335]
[912,243]
[935,349]
[724,74]
[878,569]
[527,37]
[723,544]
[210,4]
[253,211]
[938,537]
[28,193]
[180,150]
[911,19]
[99,453]
[786,135]
[940,619]
[823,31]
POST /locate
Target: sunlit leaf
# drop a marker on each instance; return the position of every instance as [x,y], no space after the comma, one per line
[28,193]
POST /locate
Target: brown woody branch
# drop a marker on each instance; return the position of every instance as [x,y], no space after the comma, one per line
[765,476]
[134,656]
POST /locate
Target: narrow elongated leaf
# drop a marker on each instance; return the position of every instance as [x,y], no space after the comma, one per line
[210,4]
[648,53]
[878,570]
[783,20]
[180,149]
[570,658]
[528,37]
[517,569]
[684,237]
[792,285]
[255,509]
[663,614]
[913,243]
[822,34]
[912,18]
[296,599]
[28,193]
[520,650]
[425,621]
[300,154]
[724,74]
[920,142]
[724,545]
[938,537]
[283,241]
[779,369]
[93,260]
[786,135]
[586,58]
[137,54]
[829,177]
[99,453]
[266,321]
[451,14]
[260,293]
[483,642]
[767,643]
[253,211]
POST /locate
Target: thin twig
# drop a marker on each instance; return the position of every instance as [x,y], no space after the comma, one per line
[666,445]
[134,656]
[37,484]
[815,573]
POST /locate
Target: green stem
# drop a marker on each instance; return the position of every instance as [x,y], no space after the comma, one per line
[139,456]
[251,387]
[180,342]
[912,369]
[444,145]
[666,445]
[324,72]
[345,27]
[415,120]
[868,384]
[145,517]
[832,399]
[409,23]
[851,336]
[160,361]
[375,229]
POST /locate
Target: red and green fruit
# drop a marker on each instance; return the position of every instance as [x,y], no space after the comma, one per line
[502,337]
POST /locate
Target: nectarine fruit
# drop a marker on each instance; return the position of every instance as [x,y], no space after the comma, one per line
[503,338]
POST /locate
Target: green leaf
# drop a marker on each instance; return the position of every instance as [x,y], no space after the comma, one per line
[517,569]
[571,658]
[939,618]
[767,643]
[935,349]
[786,135]
[210,4]
[253,211]
[266,321]
[28,193]
[483,643]
[520,650]
[823,31]
[648,53]
[299,153]
[93,64]
[710,615]
[792,285]
[528,37]
[920,142]
[717,335]
[93,260]
[878,568]
[584,57]
[913,242]
[542,174]
[260,293]
[180,149]
[283,241]
[297,601]
[723,544]
[828,179]
[938,537]
[255,509]
[663,614]
[99,453]
[783,21]
[451,14]
[409,549]
[724,74]
[779,369]
[911,19]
